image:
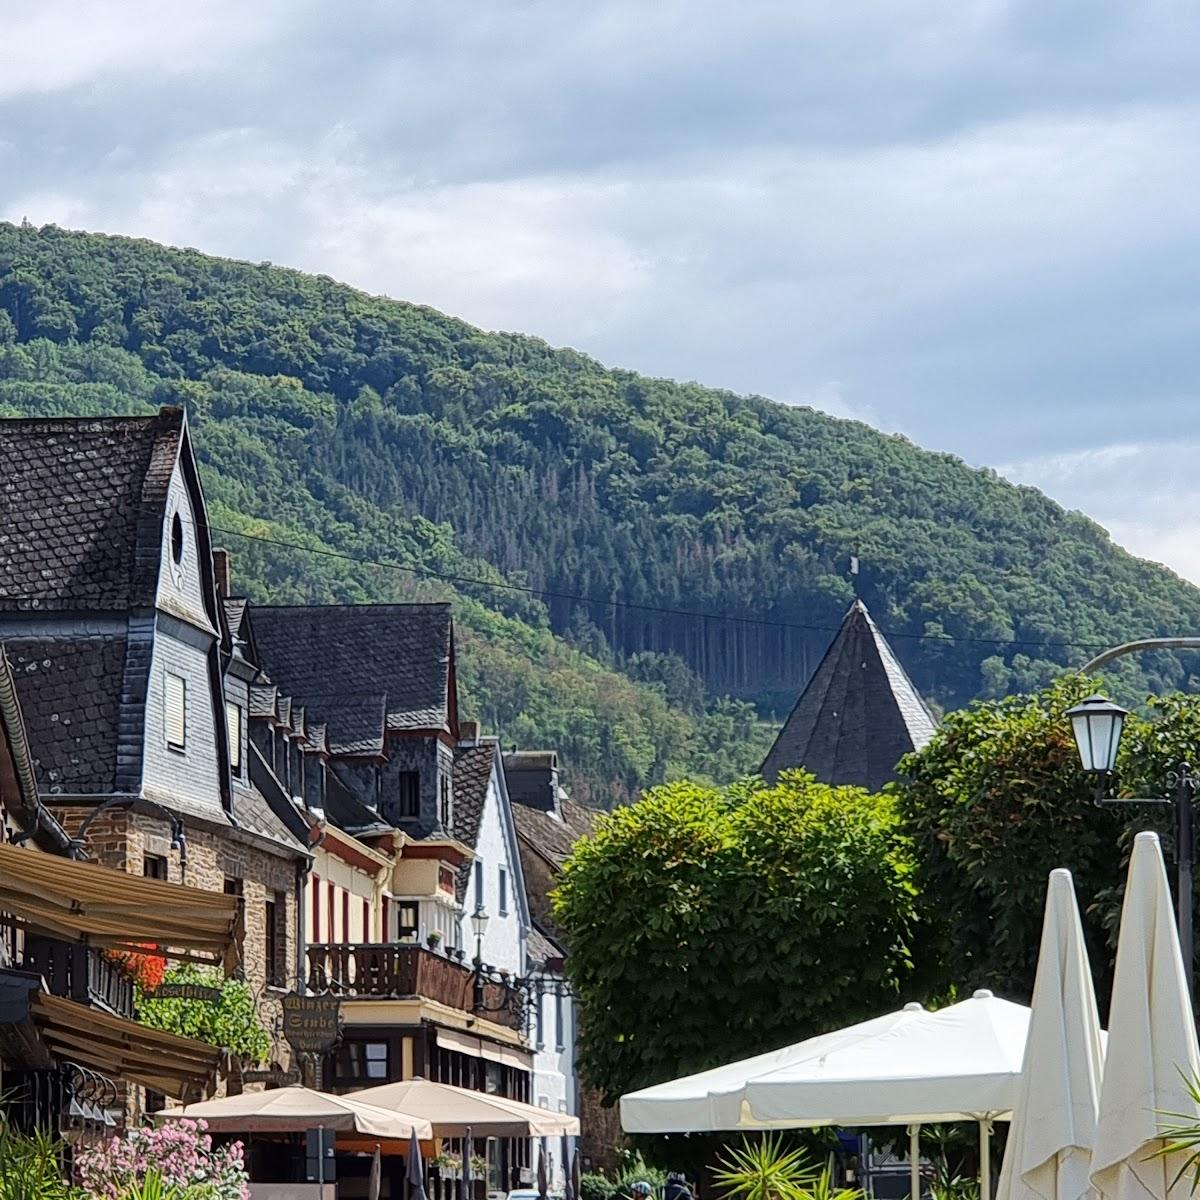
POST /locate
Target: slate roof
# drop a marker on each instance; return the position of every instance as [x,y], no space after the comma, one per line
[858,714]
[235,610]
[553,836]
[83,504]
[400,651]
[541,947]
[550,837]
[70,693]
[348,813]
[262,700]
[472,771]
[355,722]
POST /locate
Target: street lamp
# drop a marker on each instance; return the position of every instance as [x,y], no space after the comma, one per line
[479,924]
[1097,724]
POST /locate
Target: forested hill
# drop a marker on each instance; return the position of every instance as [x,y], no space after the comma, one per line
[388,431]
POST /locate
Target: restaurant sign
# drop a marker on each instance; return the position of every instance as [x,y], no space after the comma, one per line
[186,991]
[273,1076]
[311,1024]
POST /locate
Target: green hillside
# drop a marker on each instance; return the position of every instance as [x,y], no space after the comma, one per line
[386,431]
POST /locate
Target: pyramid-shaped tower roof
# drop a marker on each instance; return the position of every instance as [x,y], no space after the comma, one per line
[858,714]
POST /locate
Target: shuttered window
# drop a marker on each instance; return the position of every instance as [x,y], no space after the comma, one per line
[233,722]
[175,699]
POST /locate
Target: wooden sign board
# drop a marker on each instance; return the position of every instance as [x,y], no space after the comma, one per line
[311,1024]
[186,991]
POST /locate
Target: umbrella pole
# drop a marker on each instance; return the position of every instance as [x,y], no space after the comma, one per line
[914,1162]
[985,1160]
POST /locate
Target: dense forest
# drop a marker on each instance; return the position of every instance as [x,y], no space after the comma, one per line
[371,429]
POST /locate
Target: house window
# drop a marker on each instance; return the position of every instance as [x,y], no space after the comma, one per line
[366,1061]
[366,932]
[410,794]
[479,897]
[177,539]
[315,935]
[154,866]
[233,723]
[541,1021]
[175,701]
[386,931]
[408,919]
[445,798]
[232,887]
[503,892]
[275,935]
[560,1042]
[331,910]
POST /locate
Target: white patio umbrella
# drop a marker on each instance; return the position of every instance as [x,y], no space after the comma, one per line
[1049,1152]
[1151,1042]
[906,1068]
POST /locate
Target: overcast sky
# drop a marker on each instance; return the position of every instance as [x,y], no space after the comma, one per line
[974,222]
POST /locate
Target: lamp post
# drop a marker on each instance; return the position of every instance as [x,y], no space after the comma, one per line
[479,924]
[1097,724]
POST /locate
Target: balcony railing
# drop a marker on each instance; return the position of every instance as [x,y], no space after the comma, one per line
[78,972]
[370,971]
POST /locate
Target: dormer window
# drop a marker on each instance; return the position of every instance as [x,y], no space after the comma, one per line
[177,539]
[233,722]
[175,711]
[409,795]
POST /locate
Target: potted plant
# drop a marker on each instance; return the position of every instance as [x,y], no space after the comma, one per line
[433,939]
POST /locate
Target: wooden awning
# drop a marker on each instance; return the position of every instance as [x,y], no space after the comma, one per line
[177,1066]
[83,901]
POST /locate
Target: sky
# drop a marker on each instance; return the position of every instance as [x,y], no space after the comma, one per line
[973,223]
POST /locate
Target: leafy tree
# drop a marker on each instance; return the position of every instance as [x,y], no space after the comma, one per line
[997,800]
[231,1021]
[361,426]
[792,905]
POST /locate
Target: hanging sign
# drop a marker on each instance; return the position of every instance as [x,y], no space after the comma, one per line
[311,1024]
[186,991]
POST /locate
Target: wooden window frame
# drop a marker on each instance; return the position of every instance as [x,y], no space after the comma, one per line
[170,678]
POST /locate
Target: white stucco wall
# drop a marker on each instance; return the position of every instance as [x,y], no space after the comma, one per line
[504,943]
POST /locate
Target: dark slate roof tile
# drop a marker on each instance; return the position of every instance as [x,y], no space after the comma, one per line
[355,722]
[472,772]
[70,693]
[400,650]
[83,504]
[858,715]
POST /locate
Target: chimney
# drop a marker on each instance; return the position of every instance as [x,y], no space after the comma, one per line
[221,571]
[468,731]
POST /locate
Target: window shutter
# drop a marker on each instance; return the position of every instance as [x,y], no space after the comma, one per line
[175,699]
[233,723]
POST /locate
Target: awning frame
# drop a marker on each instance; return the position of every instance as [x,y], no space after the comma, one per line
[104,907]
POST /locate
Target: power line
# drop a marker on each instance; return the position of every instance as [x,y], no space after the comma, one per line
[662,610]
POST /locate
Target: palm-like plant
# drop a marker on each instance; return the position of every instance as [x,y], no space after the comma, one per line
[31,1167]
[764,1169]
[821,1187]
[152,1187]
[1181,1135]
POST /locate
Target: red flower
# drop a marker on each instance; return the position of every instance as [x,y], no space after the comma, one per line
[146,970]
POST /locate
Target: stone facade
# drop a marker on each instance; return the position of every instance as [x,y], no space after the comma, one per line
[125,840]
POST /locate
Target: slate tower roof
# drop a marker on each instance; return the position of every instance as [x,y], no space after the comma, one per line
[857,716]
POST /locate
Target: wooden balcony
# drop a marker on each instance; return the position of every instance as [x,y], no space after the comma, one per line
[399,972]
[78,972]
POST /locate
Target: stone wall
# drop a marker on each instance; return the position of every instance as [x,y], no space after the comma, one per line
[123,840]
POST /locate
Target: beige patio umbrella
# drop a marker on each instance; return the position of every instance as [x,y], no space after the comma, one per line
[296,1109]
[1152,1049]
[1053,1132]
[455,1112]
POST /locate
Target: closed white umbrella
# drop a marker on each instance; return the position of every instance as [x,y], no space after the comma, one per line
[1151,1042]
[1053,1132]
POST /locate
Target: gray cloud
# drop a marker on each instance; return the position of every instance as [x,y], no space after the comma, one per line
[973,223]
